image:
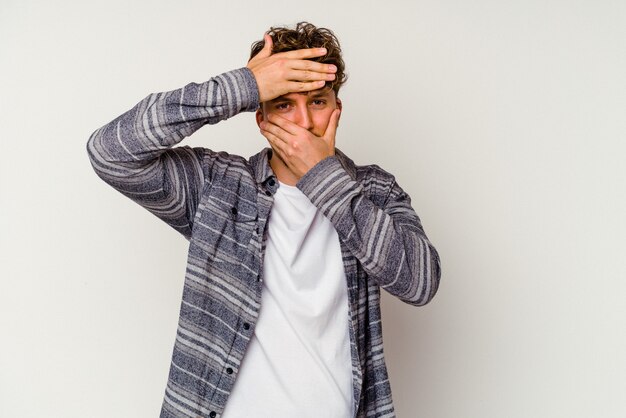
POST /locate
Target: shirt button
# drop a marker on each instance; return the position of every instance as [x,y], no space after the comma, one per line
[267,192]
[233,211]
[271,182]
[229,370]
[212,414]
[246,326]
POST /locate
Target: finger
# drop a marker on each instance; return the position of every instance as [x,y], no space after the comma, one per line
[275,130]
[284,124]
[276,142]
[331,129]
[279,147]
[308,75]
[267,47]
[313,66]
[303,53]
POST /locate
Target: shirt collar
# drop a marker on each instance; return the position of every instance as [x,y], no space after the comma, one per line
[263,171]
[260,163]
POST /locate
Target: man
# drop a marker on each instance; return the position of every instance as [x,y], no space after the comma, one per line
[280,314]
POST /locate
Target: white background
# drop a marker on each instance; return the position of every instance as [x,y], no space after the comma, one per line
[504,120]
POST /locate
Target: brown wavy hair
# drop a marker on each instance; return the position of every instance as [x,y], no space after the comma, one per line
[307,35]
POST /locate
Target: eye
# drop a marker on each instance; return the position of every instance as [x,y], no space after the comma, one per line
[318,102]
[281,106]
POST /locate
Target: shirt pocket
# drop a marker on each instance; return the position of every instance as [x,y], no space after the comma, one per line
[225,224]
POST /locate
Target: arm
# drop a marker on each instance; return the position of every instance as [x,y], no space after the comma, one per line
[389,242]
[134,153]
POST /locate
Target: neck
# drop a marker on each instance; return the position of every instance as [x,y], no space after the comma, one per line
[282,172]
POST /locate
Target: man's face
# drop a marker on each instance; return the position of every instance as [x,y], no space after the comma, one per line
[311,110]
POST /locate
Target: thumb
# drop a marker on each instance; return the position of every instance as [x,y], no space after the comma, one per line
[331,129]
[267,47]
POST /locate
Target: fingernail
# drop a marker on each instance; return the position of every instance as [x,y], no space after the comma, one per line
[332,68]
[323,50]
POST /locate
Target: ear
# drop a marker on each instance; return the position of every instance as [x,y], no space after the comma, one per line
[259,116]
[340,107]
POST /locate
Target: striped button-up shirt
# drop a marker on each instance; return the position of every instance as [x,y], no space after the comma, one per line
[221,203]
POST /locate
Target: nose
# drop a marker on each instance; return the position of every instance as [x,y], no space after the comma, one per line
[303,117]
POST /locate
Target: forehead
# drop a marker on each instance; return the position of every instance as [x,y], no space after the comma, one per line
[324,92]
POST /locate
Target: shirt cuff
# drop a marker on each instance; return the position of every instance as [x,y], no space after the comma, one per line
[241,89]
[327,185]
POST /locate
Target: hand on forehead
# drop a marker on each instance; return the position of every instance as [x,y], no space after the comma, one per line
[323,92]
[289,72]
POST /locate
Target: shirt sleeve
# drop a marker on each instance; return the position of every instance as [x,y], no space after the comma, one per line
[388,241]
[135,152]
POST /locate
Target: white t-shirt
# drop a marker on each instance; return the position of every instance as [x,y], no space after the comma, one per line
[298,362]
